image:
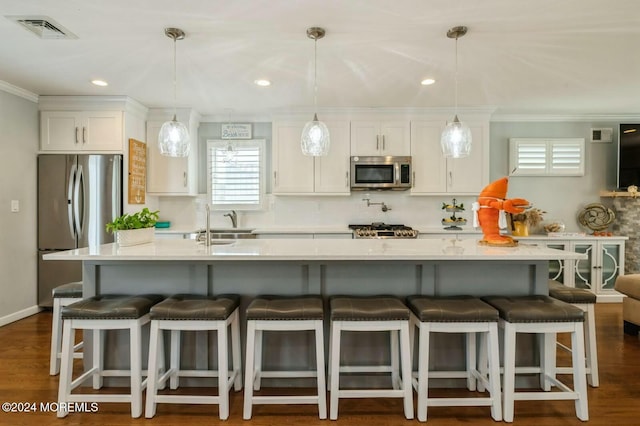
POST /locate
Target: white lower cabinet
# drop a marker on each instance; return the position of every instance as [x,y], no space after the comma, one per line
[434,174]
[598,272]
[297,174]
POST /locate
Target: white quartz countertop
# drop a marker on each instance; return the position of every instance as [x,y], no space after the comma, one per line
[314,250]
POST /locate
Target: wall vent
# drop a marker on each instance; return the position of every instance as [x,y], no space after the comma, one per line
[43,27]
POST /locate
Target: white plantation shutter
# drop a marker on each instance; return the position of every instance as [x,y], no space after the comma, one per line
[235,171]
[546,157]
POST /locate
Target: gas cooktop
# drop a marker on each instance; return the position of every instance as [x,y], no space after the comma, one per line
[383,230]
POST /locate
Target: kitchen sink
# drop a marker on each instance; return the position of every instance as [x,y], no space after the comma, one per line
[226,234]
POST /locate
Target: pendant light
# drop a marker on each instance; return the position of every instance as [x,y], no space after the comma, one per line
[456,137]
[173,139]
[315,135]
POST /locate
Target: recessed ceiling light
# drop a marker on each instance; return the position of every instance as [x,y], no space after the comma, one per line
[100,83]
[262,82]
[427,82]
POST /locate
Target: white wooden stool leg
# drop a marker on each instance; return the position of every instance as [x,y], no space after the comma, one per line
[394,350]
[579,373]
[423,371]
[136,369]
[257,381]
[249,370]
[322,387]
[66,368]
[483,359]
[152,367]
[508,387]
[471,360]
[406,369]
[161,359]
[98,357]
[493,353]
[591,345]
[174,359]
[223,372]
[547,359]
[335,369]
[56,337]
[235,350]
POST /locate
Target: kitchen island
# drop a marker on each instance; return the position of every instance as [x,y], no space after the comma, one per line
[317,266]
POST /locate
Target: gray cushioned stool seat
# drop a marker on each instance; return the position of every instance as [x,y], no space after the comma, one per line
[195,307]
[285,308]
[570,294]
[534,309]
[69,290]
[451,309]
[370,308]
[111,307]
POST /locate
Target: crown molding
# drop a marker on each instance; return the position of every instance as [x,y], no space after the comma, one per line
[585,117]
[18,91]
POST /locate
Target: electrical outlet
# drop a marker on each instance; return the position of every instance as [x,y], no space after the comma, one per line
[15,206]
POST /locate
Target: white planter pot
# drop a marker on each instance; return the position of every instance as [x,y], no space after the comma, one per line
[132,237]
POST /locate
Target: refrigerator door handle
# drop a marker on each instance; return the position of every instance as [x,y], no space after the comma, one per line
[70,201]
[78,214]
[116,195]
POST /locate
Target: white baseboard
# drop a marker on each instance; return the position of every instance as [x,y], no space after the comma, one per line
[8,319]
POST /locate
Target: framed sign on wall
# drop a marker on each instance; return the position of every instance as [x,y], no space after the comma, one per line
[235,131]
[137,171]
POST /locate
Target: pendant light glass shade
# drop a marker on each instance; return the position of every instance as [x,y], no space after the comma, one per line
[456,137]
[456,140]
[315,139]
[173,139]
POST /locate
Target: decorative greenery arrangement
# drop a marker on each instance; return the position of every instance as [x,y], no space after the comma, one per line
[138,220]
[530,217]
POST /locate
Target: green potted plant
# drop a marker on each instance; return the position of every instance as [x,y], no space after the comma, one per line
[135,228]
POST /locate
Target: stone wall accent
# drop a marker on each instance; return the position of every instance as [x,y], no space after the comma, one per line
[627,223]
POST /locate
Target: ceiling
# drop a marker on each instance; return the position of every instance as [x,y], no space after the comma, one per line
[519,56]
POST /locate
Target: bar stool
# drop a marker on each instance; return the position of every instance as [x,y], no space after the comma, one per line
[377,313]
[63,295]
[541,314]
[273,313]
[585,300]
[189,312]
[100,313]
[460,314]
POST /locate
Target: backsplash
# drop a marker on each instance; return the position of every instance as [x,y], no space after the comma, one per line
[283,211]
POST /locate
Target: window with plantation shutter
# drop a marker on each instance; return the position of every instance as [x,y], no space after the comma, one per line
[235,172]
[546,157]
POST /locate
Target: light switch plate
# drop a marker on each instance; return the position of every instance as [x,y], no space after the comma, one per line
[15,206]
[602,135]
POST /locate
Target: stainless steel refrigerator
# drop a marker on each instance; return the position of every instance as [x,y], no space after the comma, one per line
[77,196]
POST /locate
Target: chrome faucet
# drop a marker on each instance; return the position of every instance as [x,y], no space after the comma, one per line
[234,218]
[207,229]
[382,205]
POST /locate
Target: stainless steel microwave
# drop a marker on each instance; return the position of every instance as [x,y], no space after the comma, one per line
[380,172]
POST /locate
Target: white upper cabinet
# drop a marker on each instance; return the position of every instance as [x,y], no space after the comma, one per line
[297,174]
[434,174]
[96,131]
[380,138]
[170,175]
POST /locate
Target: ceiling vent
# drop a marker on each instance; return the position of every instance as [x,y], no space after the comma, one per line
[43,27]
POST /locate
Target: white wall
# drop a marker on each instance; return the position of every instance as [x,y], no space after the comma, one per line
[561,197]
[18,244]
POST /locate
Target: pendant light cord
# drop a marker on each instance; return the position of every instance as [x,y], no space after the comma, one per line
[315,75]
[175,84]
[456,80]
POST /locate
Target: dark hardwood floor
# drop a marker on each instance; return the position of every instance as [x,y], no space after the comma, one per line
[24,378]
